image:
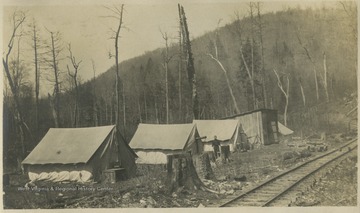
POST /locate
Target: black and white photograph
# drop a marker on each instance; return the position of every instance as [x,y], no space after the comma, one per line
[123,104]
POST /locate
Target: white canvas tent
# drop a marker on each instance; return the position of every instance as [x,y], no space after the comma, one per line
[78,154]
[226,132]
[152,142]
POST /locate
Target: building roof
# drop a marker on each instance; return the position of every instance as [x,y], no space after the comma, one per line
[162,136]
[284,130]
[222,129]
[68,145]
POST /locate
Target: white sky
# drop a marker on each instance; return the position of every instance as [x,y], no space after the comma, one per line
[82,25]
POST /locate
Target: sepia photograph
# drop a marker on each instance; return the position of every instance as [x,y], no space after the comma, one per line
[179,104]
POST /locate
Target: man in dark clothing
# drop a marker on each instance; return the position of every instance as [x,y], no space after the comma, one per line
[216,146]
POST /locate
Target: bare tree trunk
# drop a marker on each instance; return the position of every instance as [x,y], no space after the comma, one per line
[325,79]
[286,93]
[180,71]
[124,109]
[56,99]
[57,88]
[190,62]
[37,91]
[251,77]
[180,94]
[332,79]
[139,108]
[156,113]
[167,87]
[248,71]
[145,108]
[252,55]
[52,106]
[286,100]
[167,59]
[119,13]
[94,95]
[313,63]
[37,78]
[262,55]
[237,110]
[18,20]
[74,77]
[316,84]
[302,92]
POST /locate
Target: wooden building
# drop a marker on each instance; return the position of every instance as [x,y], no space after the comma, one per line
[260,126]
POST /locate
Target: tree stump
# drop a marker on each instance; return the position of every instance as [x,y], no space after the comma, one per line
[203,166]
[181,173]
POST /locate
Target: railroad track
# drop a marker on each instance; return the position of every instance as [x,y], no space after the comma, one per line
[273,189]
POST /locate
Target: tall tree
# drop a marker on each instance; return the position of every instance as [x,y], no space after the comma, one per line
[285,92]
[124,108]
[189,62]
[249,69]
[250,80]
[166,60]
[17,20]
[74,76]
[35,39]
[53,50]
[217,60]
[260,26]
[95,112]
[302,92]
[325,78]
[307,53]
[118,15]
[180,68]
[252,44]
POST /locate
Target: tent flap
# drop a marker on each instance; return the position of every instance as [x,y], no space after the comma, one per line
[284,130]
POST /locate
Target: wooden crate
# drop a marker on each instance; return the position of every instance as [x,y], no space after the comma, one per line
[113,175]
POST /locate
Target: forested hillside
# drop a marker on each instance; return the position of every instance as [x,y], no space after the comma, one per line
[307,49]
[320,31]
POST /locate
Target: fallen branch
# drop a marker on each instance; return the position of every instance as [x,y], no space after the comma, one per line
[208,190]
[351,111]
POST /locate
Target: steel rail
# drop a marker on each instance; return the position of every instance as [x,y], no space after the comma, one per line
[304,177]
[251,190]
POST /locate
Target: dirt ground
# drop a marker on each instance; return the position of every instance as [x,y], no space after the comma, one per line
[143,191]
[149,188]
[338,187]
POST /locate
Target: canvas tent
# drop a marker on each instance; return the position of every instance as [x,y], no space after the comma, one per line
[283,130]
[78,154]
[259,125]
[227,132]
[153,142]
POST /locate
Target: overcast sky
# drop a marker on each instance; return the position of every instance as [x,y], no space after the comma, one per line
[84,26]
